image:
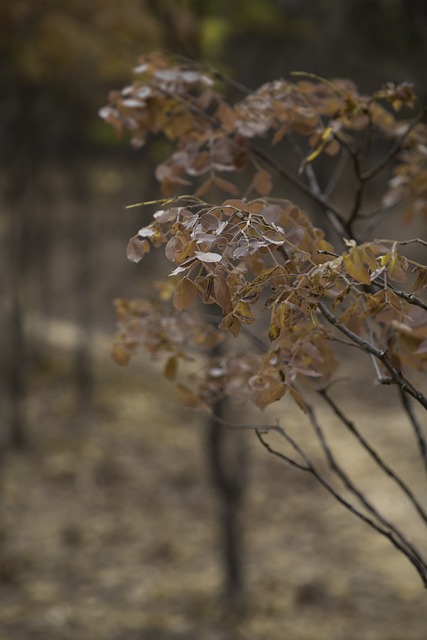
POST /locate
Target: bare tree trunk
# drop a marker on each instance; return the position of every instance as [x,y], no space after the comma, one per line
[228,461]
[81,224]
[15,346]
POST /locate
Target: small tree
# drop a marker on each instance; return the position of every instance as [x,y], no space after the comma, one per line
[294,296]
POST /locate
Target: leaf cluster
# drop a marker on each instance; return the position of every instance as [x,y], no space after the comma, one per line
[261,261]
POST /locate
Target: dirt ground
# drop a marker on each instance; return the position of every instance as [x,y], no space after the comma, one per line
[109,527]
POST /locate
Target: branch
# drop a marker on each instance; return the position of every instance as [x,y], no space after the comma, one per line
[396,537]
[394,148]
[351,427]
[419,433]
[309,467]
[381,354]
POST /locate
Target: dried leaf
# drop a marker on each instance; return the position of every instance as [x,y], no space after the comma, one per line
[354,266]
[226,115]
[136,249]
[420,281]
[222,293]
[184,294]
[262,182]
[208,256]
[120,354]
[226,185]
[296,395]
[231,323]
[204,188]
[273,332]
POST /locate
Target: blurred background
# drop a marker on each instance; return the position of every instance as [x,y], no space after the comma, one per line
[107,515]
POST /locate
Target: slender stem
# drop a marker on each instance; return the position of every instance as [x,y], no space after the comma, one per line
[419,433]
[351,427]
[394,148]
[381,354]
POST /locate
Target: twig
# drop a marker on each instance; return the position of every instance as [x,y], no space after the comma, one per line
[387,528]
[419,433]
[351,427]
[381,354]
[394,148]
[310,468]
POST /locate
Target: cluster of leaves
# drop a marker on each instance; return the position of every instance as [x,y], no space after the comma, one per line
[261,261]
[285,291]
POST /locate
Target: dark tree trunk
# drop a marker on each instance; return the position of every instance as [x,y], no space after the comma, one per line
[227,455]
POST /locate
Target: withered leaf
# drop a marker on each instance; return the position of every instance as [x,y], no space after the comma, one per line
[420,281]
[208,256]
[262,182]
[136,249]
[226,185]
[184,294]
[354,266]
[222,293]
[120,354]
[231,323]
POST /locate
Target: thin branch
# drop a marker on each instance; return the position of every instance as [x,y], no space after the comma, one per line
[336,176]
[394,535]
[309,467]
[418,430]
[335,217]
[394,148]
[351,427]
[409,297]
[375,218]
[282,456]
[381,354]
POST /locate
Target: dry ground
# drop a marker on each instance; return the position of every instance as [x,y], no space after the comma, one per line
[109,528]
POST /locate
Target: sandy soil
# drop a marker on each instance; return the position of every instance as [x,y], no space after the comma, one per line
[109,527]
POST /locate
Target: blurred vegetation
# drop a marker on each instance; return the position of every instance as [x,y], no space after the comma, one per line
[58,59]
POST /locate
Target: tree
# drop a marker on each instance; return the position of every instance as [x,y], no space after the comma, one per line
[291,298]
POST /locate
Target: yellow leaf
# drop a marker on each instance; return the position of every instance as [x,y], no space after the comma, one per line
[120,354]
[355,267]
[325,138]
[243,311]
[273,332]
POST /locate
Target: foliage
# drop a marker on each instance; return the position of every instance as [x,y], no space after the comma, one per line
[288,292]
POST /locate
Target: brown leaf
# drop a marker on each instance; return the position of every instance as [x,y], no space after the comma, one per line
[120,354]
[226,185]
[262,182]
[420,281]
[226,115]
[298,399]
[184,294]
[204,188]
[231,323]
[222,293]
